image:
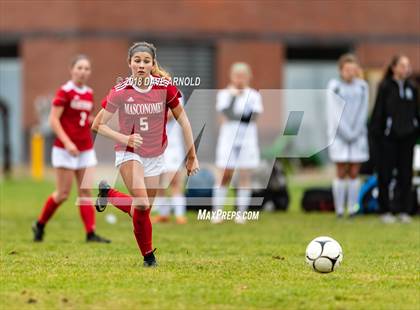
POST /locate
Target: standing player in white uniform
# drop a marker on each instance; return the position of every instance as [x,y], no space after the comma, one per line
[73,155]
[237,146]
[350,145]
[174,156]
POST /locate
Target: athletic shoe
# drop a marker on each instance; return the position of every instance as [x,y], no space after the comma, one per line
[181,220]
[38,230]
[352,215]
[92,237]
[388,218]
[216,220]
[160,219]
[102,200]
[404,218]
[239,219]
[150,260]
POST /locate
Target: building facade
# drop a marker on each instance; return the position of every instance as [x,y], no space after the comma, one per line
[38,38]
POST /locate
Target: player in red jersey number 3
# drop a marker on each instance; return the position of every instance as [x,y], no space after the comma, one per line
[72,154]
[141,104]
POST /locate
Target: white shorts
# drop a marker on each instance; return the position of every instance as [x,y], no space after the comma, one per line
[153,166]
[174,154]
[356,152]
[238,158]
[234,152]
[61,158]
[174,157]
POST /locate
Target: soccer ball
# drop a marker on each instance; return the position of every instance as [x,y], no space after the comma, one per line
[324,254]
[111,218]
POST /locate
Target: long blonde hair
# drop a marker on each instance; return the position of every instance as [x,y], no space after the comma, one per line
[151,49]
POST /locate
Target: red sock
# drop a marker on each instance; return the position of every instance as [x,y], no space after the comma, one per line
[143,230]
[49,208]
[87,212]
[120,200]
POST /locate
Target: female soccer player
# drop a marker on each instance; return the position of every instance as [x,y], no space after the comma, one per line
[72,154]
[395,125]
[350,146]
[237,146]
[174,156]
[142,102]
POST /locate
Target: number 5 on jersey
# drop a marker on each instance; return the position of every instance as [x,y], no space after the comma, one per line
[144,125]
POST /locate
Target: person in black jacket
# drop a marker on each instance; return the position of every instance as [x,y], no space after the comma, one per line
[394,128]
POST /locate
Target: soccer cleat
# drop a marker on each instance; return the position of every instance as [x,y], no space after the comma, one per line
[181,220]
[404,218]
[388,218]
[240,220]
[38,230]
[150,264]
[160,219]
[339,215]
[216,219]
[150,260]
[352,215]
[102,200]
[92,237]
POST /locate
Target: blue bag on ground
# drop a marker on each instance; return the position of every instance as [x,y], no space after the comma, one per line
[199,190]
[368,196]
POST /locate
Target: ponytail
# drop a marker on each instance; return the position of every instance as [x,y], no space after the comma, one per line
[157,70]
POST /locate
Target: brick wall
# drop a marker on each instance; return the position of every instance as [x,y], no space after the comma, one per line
[51,32]
[258,17]
[46,67]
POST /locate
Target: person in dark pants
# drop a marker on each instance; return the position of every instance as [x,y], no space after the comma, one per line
[394,127]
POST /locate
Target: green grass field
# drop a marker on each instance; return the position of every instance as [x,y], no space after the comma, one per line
[227,266]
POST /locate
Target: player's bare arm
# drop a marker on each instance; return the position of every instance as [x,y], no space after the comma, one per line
[55,124]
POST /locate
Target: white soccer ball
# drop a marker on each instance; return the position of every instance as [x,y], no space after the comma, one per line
[324,254]
[111,218]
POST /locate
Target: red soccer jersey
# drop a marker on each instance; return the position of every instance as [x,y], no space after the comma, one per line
[143,111]
[77,103]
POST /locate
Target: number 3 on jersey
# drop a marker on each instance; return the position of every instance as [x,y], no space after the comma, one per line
[144,125]
[83,117]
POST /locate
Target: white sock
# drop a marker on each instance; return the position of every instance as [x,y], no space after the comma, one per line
[179,204]
[219,197]
[243,199]
[353,195]
[339,193]
[163,206]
